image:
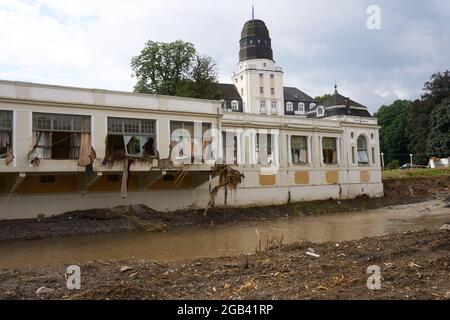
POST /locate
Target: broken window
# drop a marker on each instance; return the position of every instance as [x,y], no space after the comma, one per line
[299,149]
[5,133]
[264,148]
[131,138]
[185,140]
[329,150]
[363,156]
[57,136]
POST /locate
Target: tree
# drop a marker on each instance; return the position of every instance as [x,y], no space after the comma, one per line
[174,69]
[436,91]
[394,133]
[438,142]
[202,82]
[323,98]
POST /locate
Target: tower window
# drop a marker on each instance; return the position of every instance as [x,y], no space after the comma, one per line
[261,89]
[274,107]
[263,106]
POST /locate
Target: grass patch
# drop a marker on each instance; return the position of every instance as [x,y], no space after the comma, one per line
[415,173]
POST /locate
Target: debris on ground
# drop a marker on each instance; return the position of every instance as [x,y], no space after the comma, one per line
[333,276]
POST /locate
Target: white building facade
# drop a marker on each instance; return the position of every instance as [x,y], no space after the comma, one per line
[65,148]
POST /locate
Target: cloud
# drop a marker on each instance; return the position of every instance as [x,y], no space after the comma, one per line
[91,43]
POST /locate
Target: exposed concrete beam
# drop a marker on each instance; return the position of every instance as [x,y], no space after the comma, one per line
[149,179]
[89,181]
[17,180]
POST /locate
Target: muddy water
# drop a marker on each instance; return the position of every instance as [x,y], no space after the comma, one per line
[211,241]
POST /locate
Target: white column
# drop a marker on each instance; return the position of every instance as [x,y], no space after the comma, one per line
[238,147]
[309,150]
[338,146]
[276,158]
[289,149]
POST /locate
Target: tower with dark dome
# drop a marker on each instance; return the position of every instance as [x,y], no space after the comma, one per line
[255,41]
[258,80]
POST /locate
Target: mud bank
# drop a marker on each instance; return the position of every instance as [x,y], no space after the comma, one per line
[141,218]
[414,265]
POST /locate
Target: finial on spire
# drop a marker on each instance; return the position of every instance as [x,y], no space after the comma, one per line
[335,87]
[253,12]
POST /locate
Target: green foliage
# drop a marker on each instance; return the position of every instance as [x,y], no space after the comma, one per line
[436,91]
[420,127]
[174,69]
[323,98]
[415,173]
[438,141]
[394,132]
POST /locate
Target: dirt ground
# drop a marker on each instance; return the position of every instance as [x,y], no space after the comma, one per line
[138,217]
[414,265]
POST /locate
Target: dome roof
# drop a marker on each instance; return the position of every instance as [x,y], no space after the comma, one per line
[255,41]
[253,28]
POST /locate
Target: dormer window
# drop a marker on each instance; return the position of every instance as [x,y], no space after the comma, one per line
[312,106]
[320,111]
[301,108]
[289,107]
[234,105]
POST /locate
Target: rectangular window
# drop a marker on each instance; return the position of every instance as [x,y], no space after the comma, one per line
[60,136]
[274,107]
[5,133]
[130,137]
[262,106]
[261,75]
[271,76]
[183,138]
[47,179]
[264,148]
[261,89]
[353,155]
[229,147]
[272,91]
[373,155]
[299,149]
[329,150]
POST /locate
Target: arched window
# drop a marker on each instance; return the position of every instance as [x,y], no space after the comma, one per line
[301,108]
[234,105]
[320,111]
[363,156]
[289,106]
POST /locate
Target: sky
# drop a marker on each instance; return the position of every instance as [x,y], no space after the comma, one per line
[90,43]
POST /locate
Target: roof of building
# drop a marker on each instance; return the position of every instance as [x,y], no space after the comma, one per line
[294,94]
[352,108]
[228,91]
[255,41]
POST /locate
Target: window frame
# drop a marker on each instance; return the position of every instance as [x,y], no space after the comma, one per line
[303,146]
[289,106]
[335,149]
[6,126]
[362,149]
[46,126]
[140,134]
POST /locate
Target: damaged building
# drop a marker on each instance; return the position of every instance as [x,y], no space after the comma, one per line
[67,148]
